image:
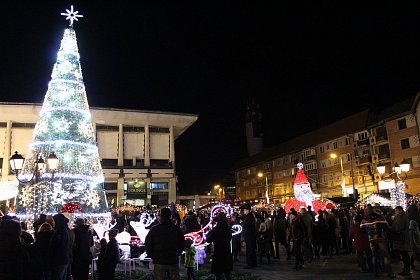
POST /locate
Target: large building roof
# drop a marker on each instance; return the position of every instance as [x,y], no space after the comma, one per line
[28,112]
[351,124]
[354,123]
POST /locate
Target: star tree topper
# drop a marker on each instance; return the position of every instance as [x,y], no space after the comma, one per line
[71,15]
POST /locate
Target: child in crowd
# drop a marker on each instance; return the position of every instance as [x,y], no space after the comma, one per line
[190,252]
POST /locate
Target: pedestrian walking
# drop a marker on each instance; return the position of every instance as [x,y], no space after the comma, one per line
[60,248]
[12,254]
[249,234]
[165,251]
[82,257]
[280,228]
[189,262]
[220,236]
[361,244]
[112,256]
[402,243]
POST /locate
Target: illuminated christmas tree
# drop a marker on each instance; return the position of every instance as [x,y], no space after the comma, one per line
[65,128]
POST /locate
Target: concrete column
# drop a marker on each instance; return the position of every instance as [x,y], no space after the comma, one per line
[146,146]
[7,153]
[148,193]
[172,191]
[172,146]
[94,130]
[120,191]
[120,146]
[197,201]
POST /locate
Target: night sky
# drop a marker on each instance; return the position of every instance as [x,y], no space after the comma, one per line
[307,63]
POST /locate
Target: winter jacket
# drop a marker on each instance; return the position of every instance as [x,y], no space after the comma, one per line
[83,241]
[12,258]
[60,250]
[221,235]
[190,256]
[164,243]
[249,232]
[400,226]
[359,237]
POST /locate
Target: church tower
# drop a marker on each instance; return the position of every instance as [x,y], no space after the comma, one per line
[253,125]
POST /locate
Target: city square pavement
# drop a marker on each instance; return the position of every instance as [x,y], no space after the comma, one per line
[338,267]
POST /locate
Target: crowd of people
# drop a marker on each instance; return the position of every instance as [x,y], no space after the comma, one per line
[57,250]
[62,250]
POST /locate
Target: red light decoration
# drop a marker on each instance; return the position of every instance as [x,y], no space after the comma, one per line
[303,194]
[70,207]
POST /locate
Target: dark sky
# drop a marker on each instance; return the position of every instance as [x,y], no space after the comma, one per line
[307,63]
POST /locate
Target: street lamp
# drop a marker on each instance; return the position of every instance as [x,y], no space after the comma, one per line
[399,175]
[40,167]
[260,175]
[220,192]
[355,192]
[17,160]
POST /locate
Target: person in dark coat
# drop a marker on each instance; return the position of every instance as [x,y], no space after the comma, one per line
[60,248]
[361,244]
[112,256]
[38,223]
[249,233]
[39,252]
[400,226]
[81,251]
[280,232]
[12,254]
[191,223]
[164,244]
[299,234]
[101,257]
[220,236]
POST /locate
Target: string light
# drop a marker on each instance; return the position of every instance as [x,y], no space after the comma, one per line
[64,127]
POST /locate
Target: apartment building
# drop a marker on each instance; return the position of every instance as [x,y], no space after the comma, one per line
[137,149]
[339,157]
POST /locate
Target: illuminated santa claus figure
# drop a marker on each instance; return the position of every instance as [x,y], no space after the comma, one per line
[304,196]
[302,187]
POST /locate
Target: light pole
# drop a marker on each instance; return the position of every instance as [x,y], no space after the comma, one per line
[220,192]
[260,175]
[40,168]
[334,156]
[398,192]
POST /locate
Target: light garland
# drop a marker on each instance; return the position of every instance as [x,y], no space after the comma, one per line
[398,197]
[64,127]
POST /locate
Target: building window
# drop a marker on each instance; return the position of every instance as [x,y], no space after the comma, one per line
[402,124]
[335,145]
[321,149]
[347,141]
[158,186]
[405,143]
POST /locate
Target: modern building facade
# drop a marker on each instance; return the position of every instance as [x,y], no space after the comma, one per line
[137,149]
[339,157]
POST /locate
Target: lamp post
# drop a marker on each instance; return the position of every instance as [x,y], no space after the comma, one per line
[260,175]
[220,192]
[399,175]
[334,156]
[40,168]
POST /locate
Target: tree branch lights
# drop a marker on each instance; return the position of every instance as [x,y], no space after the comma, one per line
[398,175]
[398,197]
